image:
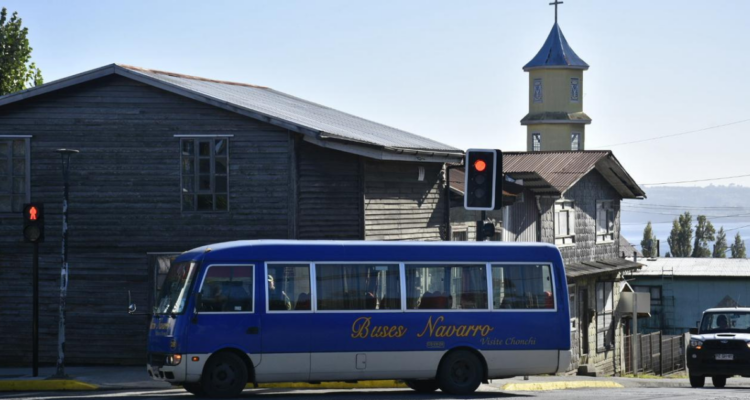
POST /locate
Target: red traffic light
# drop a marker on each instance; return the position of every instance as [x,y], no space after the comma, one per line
[480,165]
[32,213]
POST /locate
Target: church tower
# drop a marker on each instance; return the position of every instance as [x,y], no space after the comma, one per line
[556,120]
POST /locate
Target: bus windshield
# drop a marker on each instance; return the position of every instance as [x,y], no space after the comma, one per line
[722,322]
[173,293]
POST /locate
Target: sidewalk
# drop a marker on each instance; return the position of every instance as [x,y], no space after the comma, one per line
[573,382]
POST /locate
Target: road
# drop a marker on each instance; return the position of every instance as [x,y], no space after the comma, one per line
[486,392]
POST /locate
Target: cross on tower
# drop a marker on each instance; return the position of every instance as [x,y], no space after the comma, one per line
[555,4]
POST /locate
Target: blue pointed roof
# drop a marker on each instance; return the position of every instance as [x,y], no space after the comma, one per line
[556,53]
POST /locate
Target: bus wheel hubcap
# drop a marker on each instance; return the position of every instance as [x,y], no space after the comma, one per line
[224,375]
[461,372]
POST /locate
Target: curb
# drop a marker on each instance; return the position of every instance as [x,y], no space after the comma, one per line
[560,385]
[391,384]
[44,385]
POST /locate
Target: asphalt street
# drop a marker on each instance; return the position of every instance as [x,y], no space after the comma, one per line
[486,392]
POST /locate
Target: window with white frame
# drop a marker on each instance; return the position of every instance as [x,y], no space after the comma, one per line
[575,141]
[573,307]
[536,142]
[605,332]
[14,173]
[605,221]
[205,173]
[565,223]
[460,234]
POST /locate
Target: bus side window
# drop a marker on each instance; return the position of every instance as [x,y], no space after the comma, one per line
[358,286]
[522,287]
[446,287]
[289,287]
[227,289]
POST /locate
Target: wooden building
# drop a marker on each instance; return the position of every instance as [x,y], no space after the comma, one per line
[169,162]
[572,199]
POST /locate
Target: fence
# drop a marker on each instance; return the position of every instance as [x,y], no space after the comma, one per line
[658,354]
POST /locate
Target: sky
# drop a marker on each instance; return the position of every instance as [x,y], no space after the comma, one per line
[448,70]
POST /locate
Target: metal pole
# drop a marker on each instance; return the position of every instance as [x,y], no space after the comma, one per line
[64,270]
[35,322]
[635,333]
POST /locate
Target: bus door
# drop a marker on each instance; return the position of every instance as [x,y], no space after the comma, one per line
[226,313]
[287,323]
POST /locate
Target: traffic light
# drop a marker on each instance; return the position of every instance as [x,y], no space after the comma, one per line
[483,184]
[33,222]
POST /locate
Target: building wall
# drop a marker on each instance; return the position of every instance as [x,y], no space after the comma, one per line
[555,137]
[590,189]
[685,298]
[330,194]
[124,203]
[400,207]
[556,90]
[522,219]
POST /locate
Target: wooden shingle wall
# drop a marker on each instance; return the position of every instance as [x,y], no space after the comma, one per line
[124,202]
[585,193]
[400,207]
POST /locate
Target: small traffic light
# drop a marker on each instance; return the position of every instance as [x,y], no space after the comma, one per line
[483,184]
[33,222]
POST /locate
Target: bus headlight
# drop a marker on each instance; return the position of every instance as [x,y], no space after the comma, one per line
[174,359]
[697,344]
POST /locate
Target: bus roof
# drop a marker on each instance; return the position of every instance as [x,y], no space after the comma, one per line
[384,251]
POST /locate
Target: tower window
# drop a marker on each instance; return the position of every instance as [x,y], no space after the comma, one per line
[538,90]
[574,90]
[575,141]
[536,142]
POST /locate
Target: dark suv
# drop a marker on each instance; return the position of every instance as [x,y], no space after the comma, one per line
[720,348]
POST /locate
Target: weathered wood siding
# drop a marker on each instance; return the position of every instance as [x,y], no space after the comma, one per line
[523,216]
[330,194]
[590,189]
[400,207]
[124,202]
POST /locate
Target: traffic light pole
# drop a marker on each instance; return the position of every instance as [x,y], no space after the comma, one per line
[35,323]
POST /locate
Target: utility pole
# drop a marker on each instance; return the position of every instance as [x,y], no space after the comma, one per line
[65,154]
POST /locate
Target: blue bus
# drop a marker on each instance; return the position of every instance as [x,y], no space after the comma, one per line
[437,315]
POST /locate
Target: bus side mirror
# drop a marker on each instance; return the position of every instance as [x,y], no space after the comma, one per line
[131,306]
[693,331]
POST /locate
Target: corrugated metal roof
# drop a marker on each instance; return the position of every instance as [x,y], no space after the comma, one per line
[695,267]
[556,53]
[329,122]
[628,249]
[562,169]
[587,268]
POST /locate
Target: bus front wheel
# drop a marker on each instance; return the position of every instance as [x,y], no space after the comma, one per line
[423,386]
[460,373]
[225,375]
[194,387]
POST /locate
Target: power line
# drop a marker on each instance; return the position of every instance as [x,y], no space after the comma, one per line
[674,134]
[679,213]
[697,180]
[660,207]
[734,229]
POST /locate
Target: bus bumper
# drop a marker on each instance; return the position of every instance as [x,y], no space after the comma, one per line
[160,370]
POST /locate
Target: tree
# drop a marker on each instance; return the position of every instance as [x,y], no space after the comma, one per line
[738,247]
[16,71]
[720,248]
[704,233]
[681,236]
[648,244]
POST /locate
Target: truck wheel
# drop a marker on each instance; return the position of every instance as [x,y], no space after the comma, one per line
[423,386]
[697,381]
[719,381]
[225,375]
[460,373]
[194,388]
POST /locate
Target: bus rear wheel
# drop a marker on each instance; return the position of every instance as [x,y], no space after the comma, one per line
[423,386]
[719,381]
[225,375]
[697,381]
[460,373]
